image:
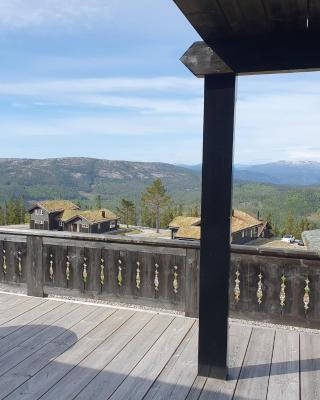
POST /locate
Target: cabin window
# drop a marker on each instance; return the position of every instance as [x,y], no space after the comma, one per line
[112,224]
[99,226]
[85,226]
[60,223]
[243,234]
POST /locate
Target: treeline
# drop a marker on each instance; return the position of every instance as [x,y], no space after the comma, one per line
[13,212]
[292,226]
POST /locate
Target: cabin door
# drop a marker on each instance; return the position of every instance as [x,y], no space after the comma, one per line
[74,228]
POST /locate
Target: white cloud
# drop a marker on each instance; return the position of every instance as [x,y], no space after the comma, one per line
[131,125]
[60,16]
[282,124]
[154,95]
[17,14]
[100,85]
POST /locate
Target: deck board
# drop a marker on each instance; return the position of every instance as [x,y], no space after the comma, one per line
[63,350]
[254,376]
[284,374]
[310,367]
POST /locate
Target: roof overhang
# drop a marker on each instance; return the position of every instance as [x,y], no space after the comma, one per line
[45,209]
[250,37]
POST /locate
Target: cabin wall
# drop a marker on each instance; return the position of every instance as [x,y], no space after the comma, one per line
[40,221]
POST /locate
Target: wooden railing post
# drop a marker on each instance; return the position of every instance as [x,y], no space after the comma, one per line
[34,270]
[192,283]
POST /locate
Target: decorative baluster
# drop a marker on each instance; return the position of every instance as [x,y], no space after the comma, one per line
[175,280]
[4,265]
[156,278]
[84,272]
[68,270]
[236,290]
[51,270]
[102,276]
[138,279]
[119,273]
[19,264]
[283,291]
[306,297]
[259,291]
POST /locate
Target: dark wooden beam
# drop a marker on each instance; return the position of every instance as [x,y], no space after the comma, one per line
[258,56]
[201,60]
[219,103]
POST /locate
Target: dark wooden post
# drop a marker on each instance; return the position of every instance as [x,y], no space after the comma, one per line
[219,102]
[34,270]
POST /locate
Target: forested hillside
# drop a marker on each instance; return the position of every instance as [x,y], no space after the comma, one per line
[83,179]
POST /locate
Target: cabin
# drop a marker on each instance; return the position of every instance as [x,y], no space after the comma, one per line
[244,228]
[45,215]
[63,215]
[178,222]
[90,221]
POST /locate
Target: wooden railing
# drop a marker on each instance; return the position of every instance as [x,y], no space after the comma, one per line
[147,273]
[274,285]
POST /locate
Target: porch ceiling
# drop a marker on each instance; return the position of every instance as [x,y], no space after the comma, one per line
[232,19]
[254,36]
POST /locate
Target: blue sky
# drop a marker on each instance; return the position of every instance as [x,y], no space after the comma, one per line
[102,78]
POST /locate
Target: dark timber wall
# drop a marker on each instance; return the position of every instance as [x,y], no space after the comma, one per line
[163,274]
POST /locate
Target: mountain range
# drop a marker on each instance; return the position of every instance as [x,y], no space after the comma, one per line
[301,173]
[84,178]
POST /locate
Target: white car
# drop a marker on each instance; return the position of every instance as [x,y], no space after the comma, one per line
[288,238]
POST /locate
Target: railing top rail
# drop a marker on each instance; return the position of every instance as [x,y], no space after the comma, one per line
[90,237]
[236,249]
[275,252]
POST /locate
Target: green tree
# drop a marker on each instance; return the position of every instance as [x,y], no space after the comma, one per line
[289,226]
[126,212]
[98,202]
[194,212]
[156,198]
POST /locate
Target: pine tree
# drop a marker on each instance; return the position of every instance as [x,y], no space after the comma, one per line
[155,198]
[289,226]
[126,212]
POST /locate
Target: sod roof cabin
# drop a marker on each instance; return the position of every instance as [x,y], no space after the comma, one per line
[244,228]
[67,216]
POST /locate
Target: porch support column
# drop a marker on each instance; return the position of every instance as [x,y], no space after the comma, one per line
[219,104]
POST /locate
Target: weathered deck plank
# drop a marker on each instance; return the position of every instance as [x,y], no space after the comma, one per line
[27,331]
[284,374]
[174,381]
[8,301]
[36,342]
[141,378]
[239,337]
[28,317]
[310,366]
[111,377]
[255,371]
[73,382]
[22,381]
[9,314]
[63,350]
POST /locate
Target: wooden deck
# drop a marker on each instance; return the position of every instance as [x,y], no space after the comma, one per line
[53,349]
